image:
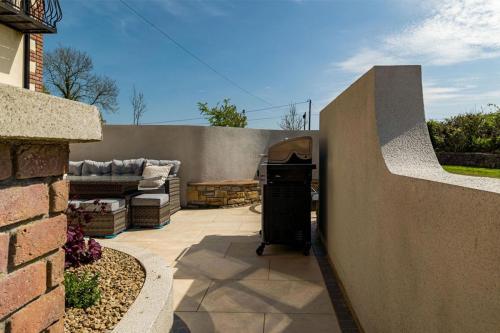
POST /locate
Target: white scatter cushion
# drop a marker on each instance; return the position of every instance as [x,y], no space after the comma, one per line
[151,183]
[151,171]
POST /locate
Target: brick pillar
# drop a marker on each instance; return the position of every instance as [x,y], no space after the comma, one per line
[32,231]
[35,133]
[36,62]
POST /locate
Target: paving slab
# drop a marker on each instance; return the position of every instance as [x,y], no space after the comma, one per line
[221,268]
[221,285]
[295,268]
[267,296]
[300,323]
[204,322]
[188,293]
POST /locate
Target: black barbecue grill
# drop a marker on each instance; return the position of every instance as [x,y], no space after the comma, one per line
[285,179]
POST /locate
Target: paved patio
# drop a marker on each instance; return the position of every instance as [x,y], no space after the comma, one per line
[221,285]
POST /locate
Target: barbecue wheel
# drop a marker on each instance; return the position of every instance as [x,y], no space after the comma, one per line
[260,249]
[307,249]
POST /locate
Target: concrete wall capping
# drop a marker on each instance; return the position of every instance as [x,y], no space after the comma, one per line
[27,115]
[409,241]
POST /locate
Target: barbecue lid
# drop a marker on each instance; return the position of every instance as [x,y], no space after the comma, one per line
[283,151]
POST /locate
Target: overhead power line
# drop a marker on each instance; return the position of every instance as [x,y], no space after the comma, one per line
[275,107]
[246,111]
[173,121]
[264,118]
[191,54]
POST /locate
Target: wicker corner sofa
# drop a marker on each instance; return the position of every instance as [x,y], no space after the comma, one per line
[120,178]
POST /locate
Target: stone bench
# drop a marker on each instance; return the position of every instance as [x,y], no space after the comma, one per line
[226,193]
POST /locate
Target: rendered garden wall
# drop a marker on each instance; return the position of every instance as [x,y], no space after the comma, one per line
[416,248]
[207,153]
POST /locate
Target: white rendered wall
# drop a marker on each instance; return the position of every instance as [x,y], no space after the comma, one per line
[207,153]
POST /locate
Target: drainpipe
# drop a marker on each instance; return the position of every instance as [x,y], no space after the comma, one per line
[27,53]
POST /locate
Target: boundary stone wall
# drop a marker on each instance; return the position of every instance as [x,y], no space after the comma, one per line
[480,160]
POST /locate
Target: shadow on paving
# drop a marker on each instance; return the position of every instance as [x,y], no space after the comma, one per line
[240,282]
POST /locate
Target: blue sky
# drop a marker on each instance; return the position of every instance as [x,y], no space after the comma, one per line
[284,51]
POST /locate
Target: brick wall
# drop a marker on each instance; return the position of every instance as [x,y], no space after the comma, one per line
[36,62]
[33,195]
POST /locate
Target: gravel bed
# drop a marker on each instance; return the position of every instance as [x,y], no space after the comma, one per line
[120,280]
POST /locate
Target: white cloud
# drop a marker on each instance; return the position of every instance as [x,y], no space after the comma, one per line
[456,31]
[459,91]
[435,93]
[367,58]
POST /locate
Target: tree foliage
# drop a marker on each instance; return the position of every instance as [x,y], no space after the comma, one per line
[225,114]
[69,73]
[470,132]
[292,120]
[138,105]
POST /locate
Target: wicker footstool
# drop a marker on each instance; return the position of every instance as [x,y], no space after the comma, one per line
[150,210]
[109,217]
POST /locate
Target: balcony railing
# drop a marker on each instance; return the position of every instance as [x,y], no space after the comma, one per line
[31,16]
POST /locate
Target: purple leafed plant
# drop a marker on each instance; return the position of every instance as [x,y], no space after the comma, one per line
[78,251]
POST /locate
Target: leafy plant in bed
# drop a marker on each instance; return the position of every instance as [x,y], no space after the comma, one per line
[82,289]
[78,251]
[101,283]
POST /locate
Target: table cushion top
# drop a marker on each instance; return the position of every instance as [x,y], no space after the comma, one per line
[107,205]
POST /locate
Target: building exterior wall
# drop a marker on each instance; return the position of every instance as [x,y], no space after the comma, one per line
[36,62]
[11,56]
[206,153]
[415,248]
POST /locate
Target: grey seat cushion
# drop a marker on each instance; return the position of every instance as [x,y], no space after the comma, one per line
[127,167]
[94,168]
[175,165]
[75,168]
[150,199]
[107,205]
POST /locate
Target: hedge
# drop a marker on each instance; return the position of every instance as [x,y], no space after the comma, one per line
[471,132]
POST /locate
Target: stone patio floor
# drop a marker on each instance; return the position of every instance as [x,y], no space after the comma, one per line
[221,285]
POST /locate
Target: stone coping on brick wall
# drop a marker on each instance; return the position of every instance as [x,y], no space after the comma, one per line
[28,115]
[225,193]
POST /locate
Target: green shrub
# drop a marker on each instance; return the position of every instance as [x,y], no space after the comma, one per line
[82,290]
[470,132]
